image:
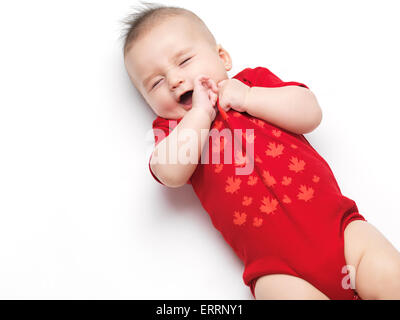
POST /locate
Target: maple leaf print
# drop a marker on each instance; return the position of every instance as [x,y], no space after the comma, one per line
[268,179]
[239,218]
[252,180]
[305,193]
[240,159]
[257,222]
[296,165]
[286,180]
[269,205]
[248,137]
[258,159]
[274,150]
[315,179]
[218,124]
[247,200]
[276,133]
[293,146]
[260,123]
[218,168]
[286,199]
[233,185]
[219,145]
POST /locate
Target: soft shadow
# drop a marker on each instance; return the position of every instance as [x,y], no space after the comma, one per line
[183,200]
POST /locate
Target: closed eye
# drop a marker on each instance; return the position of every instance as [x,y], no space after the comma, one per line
[156,83]
[185,61]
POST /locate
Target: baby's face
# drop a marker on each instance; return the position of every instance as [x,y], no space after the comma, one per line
[164,62]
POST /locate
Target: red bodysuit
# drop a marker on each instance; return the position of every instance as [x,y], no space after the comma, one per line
[288,215]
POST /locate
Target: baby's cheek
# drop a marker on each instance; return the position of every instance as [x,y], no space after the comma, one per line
[163,104]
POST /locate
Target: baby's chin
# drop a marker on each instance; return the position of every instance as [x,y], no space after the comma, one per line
[177,113]
[184,109]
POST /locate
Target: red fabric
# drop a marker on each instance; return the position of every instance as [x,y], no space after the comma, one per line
[288,215]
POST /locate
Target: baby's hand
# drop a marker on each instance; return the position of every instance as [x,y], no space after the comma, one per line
[205,94]
[233,94]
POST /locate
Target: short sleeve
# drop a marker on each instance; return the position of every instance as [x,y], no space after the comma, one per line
[263,77]
[161,129]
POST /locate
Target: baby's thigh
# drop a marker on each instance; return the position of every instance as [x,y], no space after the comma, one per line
[286,287]
[374,259]
[362,238]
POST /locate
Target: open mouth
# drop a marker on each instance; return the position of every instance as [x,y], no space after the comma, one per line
[186,98]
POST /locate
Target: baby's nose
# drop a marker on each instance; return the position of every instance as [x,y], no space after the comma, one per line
[175,83]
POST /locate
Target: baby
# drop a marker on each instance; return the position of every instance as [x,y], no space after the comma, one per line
[286,218]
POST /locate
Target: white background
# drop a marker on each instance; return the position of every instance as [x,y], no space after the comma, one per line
[80,215]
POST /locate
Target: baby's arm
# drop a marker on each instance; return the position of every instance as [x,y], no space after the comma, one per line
[293,108]
[198,120]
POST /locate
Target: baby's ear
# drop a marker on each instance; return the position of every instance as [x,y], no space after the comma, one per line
[226,58]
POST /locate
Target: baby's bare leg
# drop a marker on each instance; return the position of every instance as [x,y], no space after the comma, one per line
[376,261]
[286,287]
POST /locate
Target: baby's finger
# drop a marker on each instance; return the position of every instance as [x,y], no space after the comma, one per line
[213,86]
[213,97]
[214,100]
[221,83]
[210,84]
[224,106]
[201,79]
[210,95]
